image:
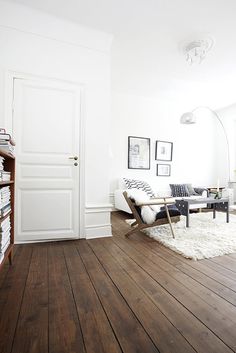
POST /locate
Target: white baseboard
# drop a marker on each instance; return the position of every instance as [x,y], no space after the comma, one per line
[97,221]
[98,231]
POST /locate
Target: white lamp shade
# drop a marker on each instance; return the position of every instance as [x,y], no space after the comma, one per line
[188,118]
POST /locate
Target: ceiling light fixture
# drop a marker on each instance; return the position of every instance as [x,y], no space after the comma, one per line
[195,51]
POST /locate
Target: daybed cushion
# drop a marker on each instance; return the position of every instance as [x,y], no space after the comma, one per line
[173,211]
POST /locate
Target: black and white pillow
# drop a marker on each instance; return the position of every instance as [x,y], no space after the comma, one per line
[179,190]
[139,184]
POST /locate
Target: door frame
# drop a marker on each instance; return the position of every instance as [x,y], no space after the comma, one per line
[10,76]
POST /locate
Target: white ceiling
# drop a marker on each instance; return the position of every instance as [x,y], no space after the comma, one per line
[146,53]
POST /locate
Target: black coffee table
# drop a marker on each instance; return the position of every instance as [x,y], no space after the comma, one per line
[218,205]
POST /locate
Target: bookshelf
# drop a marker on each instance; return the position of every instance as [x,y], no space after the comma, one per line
[9,166]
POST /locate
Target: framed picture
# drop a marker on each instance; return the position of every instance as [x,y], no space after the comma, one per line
[164,150]
[138,152]
[163,169]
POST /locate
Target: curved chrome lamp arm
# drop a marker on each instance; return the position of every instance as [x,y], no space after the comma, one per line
[223,127]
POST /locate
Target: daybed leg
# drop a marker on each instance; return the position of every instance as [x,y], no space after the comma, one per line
[134,223]
[131,231]
[169,220]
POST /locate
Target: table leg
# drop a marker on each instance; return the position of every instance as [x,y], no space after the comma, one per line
[227,213]
[214,210]
[187,216]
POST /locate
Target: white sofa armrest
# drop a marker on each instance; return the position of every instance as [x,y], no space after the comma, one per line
[120,202]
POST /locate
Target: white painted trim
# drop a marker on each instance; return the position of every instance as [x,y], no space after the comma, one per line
[112,201]
[98,231]
[42,240]
[98,226]
[98,208]
[10,75]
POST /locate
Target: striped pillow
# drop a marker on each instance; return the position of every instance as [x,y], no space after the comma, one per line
[139,184]
[179,190]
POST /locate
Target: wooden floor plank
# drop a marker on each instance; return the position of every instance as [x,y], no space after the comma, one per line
[196,270]
[32,329]
[130,333]
[194,303]
[116,295]
[97,332]
[204,272]
[152,319]
[208,289]
[64,328]
[220,269]
[225,261]
[5,268]
[11,295]
[199,336]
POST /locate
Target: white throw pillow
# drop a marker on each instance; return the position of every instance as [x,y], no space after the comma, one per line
[138,196]
[148,213]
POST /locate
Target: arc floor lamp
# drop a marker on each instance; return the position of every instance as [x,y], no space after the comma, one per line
[190,118]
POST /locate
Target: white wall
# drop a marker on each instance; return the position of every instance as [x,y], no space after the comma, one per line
[194,157]
[38,44]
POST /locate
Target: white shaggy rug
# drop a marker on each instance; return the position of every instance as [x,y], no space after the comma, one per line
[205,238]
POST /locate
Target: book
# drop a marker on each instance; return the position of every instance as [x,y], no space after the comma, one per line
[5,223]
[4,190]
[5,247]
[4,239]
[5,137]
[4,211]
[5,176]
[4,205]
[5,229]
[6,146]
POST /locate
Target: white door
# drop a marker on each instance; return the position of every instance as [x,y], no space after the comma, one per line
[46,120]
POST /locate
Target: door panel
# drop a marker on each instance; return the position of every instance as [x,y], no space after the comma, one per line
[46,129]
[48,112]
[36,219]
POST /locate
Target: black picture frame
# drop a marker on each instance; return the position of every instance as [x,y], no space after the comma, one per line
[163,170]
[139,152]
[164,151]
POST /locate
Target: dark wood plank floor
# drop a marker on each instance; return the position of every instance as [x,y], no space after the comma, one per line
[116,295]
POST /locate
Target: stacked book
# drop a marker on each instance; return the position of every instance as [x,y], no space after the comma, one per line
[5,205]
[4,176]
[5,230]
[1,163]
[6,142]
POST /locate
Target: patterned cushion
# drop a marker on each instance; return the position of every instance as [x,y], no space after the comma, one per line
[139,184]
[179,190]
